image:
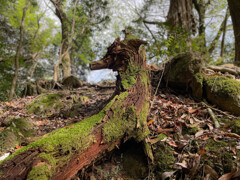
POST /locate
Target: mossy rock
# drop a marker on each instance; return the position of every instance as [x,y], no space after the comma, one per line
[76,108]
[224,92]
[17,129]
[181,69]
[72,82]
[45,104]
[196,86]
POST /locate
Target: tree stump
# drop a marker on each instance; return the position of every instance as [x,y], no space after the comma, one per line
[62,153]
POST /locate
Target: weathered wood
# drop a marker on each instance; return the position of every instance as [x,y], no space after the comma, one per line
[62,153]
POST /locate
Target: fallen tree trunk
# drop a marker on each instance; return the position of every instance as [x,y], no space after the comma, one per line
[62,153]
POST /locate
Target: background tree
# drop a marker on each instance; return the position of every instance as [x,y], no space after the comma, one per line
[19,48]
[234,6]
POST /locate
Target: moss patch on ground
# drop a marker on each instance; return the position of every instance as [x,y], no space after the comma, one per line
[45,104]
[164,159]
[224,161]
[17,130]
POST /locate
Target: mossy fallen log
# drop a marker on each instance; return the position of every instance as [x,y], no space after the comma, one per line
[62,153]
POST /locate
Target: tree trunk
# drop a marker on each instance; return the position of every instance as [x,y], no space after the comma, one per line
[201,6]
[64,55]
[234,6]
[62,153]
[213,44]
[19,48]
[223,36]
[180,14]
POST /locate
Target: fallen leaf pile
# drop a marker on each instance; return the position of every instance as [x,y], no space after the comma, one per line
[187,128]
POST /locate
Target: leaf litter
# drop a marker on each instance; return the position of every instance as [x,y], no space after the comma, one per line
[185,124]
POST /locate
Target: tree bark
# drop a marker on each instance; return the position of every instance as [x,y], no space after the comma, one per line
[180,14]
[65,25]
[201,6]
[19,48]
[234,6]
[223,36]
[62,153]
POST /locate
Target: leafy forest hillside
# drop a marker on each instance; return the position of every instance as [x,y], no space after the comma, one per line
[132,89]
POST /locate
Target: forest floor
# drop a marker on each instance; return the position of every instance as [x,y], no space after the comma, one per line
[175,120]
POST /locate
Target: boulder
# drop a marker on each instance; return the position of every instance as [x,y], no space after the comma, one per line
[224,92]
[179,71]
[72,82]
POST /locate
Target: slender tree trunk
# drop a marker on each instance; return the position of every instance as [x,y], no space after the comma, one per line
[223,36]
[234,6]
[213,44]
[33,68]
[62,153]
[64,55]
[19,48]
[201,6]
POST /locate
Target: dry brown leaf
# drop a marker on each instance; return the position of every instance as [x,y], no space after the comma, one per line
[191,120]
[195,164]
[192,111]
[232,135]
[18,147]
[166,175]
[160,130]
[199,133]
[234,150]
[210,126]
[150,122]
[211,171]
[153,141]
[182,165]
[202,151]
[228,176]
[172,143]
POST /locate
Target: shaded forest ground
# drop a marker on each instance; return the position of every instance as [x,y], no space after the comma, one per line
[183,136]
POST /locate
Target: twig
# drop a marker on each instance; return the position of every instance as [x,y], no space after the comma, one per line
[216,123]
[217,110]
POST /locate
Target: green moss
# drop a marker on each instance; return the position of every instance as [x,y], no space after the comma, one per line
[18,129]
[50,159]
[162,136]
[144,77]
[45,104]
[199,78]
[224,161]
[40,172]
[58,141]
[224,85]
[190,131]
[76,135]
[128,82]
[83,99]
[215,146]
[164,159]
[128,79]
[121,122]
